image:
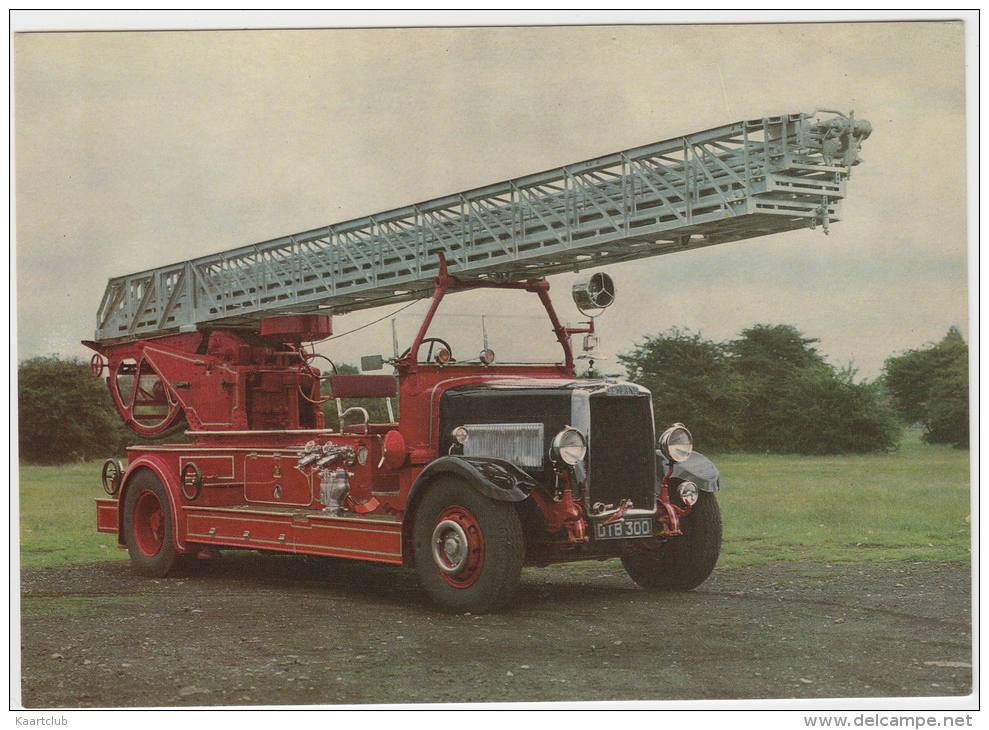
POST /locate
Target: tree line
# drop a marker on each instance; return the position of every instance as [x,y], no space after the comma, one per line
[770,390]
[767,391]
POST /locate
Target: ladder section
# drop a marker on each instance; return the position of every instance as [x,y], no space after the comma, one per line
[734,182]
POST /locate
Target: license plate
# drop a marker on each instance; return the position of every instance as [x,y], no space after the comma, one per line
[624,528]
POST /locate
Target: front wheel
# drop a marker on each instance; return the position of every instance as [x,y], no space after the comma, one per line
[680,563]
[148,526]
[468,548]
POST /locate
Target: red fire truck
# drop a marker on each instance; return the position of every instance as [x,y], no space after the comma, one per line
[489,465]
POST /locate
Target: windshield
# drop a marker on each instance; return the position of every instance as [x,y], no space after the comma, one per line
[513,324]
[514,338]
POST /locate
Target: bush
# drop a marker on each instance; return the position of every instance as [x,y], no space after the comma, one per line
[929,387]
[64,413]
[820,411]
[767,391]
[768,358]
[691,382]
[796,402]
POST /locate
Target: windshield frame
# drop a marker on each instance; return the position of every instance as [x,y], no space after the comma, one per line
[446,283]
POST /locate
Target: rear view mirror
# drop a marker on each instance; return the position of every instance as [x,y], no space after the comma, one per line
[372,362]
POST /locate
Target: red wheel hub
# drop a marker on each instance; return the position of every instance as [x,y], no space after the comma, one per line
[458,547]
[149,524]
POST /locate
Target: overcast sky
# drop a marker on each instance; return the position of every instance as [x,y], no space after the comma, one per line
[135,150]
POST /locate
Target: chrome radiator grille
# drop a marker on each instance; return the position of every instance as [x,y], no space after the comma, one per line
[519,443]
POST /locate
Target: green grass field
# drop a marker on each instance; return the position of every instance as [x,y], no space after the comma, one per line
[909,505]
[913,504]
[58,516]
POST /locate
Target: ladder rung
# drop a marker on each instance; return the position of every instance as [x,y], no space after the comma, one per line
[742,180]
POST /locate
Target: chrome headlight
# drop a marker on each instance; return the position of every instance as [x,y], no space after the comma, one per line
[460,434]
[688,493]
[569,446]
[676,443]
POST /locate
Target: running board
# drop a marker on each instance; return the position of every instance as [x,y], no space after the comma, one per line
[295,531]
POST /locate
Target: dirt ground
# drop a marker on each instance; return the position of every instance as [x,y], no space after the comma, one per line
[260,629]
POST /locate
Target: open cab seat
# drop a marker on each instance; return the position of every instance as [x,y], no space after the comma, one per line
[363,386]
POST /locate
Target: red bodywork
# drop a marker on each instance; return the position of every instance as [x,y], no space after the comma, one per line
[251,401]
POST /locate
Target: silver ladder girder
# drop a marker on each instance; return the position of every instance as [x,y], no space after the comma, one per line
[739,181]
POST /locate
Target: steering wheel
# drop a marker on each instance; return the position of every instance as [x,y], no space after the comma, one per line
[96,365]
[312,372]
[429,354]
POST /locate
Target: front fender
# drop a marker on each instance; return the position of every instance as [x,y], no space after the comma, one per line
[494,478]
[696,468]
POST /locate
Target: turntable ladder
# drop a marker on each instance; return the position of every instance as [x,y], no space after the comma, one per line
[739,181]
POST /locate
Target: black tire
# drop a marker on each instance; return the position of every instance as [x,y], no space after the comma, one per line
[481,585]
[681,563]
[142,532]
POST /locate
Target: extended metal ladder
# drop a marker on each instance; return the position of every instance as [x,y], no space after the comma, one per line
[738,181]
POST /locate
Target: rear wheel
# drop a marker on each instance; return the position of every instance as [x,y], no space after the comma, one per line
[679,563]
[148,526]
[468,548]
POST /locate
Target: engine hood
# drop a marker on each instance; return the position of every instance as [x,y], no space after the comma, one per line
[516,419]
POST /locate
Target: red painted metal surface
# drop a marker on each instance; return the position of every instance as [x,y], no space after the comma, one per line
[296,328]
[251,403]
[106,516]
[363,386]
[377,540]
[669,514]
[215,380]
[564,516]
[394,450]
